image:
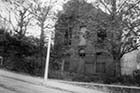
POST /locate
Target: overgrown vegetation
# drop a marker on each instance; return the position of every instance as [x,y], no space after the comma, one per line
[27,53]
[23,52]
[20,54]
[115,21]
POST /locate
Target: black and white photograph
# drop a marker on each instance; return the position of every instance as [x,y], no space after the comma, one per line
[69,46]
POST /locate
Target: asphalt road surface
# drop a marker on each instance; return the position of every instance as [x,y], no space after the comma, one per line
[10,85]
[18,83]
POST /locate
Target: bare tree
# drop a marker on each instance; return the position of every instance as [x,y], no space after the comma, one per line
[123,14]
[42,12]
[18,16]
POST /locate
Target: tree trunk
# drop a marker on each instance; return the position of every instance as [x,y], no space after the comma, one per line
[41,54]
[117,61]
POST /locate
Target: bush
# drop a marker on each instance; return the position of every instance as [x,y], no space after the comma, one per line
[110,80]
[30,65]
[126,80]
[81,78]
[136,75]
[55,74]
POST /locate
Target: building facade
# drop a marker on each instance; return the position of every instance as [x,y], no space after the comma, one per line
[88,53]
[89,48]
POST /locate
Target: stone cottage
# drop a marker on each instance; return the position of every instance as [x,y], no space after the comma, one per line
[88,57]
[89,49]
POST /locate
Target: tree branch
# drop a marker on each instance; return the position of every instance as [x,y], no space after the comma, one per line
[105,6]
[122,5]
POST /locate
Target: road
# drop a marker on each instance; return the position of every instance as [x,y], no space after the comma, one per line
[10,85]
[17,83]
[14,83]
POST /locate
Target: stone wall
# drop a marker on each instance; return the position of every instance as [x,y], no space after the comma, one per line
[129,62]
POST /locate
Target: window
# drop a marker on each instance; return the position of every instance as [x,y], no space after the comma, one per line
[66,66]
[68,36]
[99,53]
[1,60]
[100,67]
[82,52]
[101,35]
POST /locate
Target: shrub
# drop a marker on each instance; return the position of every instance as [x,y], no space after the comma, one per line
[136,75]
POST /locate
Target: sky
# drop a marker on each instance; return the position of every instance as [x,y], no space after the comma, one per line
[58,6]
[32,30]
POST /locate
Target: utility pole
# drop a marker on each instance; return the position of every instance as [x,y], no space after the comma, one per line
[47,57]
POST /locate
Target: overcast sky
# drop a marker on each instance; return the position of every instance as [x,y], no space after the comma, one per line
[57,7]
[31,30]
[34,30]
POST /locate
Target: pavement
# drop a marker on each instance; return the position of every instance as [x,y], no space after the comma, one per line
[18,83]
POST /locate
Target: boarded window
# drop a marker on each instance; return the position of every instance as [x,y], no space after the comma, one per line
[1,60]
[100,67]
[68,36]
[66,66]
